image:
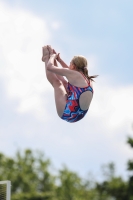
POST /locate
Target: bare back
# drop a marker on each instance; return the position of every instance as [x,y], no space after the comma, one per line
[77,79]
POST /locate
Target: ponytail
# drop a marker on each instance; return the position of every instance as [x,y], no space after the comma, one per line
[80,63]
[92,77]
[85,72]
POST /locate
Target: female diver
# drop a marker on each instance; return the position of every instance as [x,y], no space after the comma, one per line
[72,97]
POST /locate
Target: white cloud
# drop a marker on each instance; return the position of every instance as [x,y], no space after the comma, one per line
[22,36]
[113,106]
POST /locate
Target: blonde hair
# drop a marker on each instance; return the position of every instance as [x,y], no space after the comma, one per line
[80,63]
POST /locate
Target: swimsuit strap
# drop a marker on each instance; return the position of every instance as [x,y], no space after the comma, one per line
[86,78]
[88,81]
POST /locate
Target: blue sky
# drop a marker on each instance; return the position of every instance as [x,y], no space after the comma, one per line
[104,27]
[100,30]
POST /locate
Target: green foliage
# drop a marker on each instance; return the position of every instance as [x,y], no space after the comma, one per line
[130,165]
[115,188]
[130,168]
[30,174]
[108,170]
[72,187]
[34,196]
[130,162]
[31,179]
[130,141]
[71,184]
[112,186]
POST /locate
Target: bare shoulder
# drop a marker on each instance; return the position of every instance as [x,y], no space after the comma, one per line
[73,76]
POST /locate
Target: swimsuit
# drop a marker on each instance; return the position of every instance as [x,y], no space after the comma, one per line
[72,111]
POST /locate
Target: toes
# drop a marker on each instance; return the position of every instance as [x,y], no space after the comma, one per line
[50,49]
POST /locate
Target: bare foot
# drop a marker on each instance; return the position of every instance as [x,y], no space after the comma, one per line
[45,53]
[51,51]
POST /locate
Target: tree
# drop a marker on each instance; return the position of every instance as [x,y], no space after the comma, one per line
[72,187]
[112,187]
[130,168]
[31,177]
[29,173]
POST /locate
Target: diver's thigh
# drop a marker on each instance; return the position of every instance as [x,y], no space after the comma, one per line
[60,98]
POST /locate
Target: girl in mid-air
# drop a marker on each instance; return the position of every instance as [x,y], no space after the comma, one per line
[72,97]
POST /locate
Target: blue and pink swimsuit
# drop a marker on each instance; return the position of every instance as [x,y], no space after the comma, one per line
[72,111]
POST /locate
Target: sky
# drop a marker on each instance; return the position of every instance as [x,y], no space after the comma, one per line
[102,32]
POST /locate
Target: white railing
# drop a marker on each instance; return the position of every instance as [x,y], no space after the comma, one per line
[5,190]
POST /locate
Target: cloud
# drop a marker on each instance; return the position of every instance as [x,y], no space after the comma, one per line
[22,35]
[113,105]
